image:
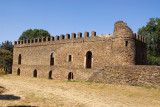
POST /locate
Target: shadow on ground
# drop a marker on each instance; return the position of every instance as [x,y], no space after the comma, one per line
[22,106]
[9,97]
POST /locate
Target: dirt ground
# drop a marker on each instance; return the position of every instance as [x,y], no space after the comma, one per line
[41,92]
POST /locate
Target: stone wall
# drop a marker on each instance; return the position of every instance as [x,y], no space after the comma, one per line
[137,75]
[81,55]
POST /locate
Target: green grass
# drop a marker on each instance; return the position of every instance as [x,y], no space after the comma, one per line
[77,81]
[149,87]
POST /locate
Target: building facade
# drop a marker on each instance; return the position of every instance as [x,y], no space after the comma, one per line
[75,57]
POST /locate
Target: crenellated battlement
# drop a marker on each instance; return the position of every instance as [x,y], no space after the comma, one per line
[78,56]
[140,38]
[55,38]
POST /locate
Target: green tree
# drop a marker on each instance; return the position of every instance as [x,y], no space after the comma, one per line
[36,33]
[152,33]
[7,45]
[6,59]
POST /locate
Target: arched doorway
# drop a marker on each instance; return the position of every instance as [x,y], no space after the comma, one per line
[88,59]
[35,73]
[70,76]
[18,71]
[50,75]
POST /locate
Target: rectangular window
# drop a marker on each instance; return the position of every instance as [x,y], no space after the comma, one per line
[70,58]
[126,43]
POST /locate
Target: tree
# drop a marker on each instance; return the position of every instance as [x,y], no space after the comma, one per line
[6,53]
[6,59]
[7,45]
[152,33]
[36,33]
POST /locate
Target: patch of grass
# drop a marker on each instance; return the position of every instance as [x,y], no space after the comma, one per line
[149,87]
[77,81]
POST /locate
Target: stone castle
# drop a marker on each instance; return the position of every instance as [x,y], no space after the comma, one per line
[118,59]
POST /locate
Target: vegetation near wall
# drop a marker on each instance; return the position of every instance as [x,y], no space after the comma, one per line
[6,48]
[6,54]
[35,33]
[152,32]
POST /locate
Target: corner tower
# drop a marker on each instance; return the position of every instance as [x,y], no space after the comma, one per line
[123,44]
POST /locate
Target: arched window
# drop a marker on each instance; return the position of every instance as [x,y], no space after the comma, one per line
[88,59]
[70,76]
[35,73]
[19,59]
[70,58]
[126,43]
[18,71]
[51,60]
[50,75]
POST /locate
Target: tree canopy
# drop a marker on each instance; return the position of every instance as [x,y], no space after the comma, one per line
[7,45]
[6,59]
[36,33]
[152,33]
[6,54]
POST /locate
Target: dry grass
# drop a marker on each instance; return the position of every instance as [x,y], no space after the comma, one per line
[52,93]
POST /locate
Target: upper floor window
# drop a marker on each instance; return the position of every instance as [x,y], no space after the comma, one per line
[126,43]
[19,59]
[51,59]
[88,59]
[70,58]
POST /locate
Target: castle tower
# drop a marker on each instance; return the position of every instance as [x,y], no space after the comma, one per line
[124,44]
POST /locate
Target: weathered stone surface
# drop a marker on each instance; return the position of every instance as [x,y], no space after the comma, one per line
[62,55]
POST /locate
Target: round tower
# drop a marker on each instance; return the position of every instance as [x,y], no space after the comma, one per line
[123,44]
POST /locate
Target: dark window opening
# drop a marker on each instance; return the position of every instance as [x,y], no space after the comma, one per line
[35,73]
[50,75]
[28,41]
[18,71]
[70,58]
[32,41]
[51,60]
[25,41]
[70,76]
[88,59]
[19,59]
[126,43]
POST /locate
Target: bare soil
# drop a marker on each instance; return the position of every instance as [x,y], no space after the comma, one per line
[41,92]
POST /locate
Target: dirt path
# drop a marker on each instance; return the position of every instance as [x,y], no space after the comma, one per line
[52,93]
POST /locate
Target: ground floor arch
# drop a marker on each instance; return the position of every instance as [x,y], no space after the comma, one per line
[70,76]
[18,71]
[50,74]
[35,73]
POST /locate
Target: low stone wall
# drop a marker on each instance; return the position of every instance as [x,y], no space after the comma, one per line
[58,73]
[129,75]
[125,75]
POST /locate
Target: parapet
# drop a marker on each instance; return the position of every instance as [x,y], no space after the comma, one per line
[56,38]
[140,38]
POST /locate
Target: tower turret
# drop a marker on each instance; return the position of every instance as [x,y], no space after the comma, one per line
[124,44]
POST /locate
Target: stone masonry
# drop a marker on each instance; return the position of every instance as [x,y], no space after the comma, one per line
[84,58]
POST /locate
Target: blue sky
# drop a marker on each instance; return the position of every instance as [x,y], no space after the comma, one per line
[73,16]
